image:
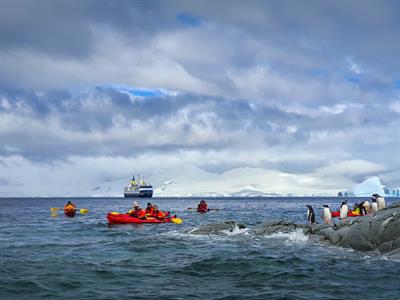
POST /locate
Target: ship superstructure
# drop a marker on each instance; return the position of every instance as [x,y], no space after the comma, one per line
[138,188]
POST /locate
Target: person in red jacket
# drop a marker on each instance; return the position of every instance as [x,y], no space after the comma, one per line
[137,212]
[158,214]
[149,209]
[202,207]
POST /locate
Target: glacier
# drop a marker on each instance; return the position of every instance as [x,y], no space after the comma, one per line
[368,187]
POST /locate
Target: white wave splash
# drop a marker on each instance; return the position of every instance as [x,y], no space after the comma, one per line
[235,231]
[296,236]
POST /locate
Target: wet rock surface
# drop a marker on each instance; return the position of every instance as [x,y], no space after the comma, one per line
[217,228]
[376,231]
[380,231]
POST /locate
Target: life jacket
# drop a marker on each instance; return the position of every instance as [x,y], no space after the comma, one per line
[69,206]
[149,210]
[140,214]
[202,207]
[158,214]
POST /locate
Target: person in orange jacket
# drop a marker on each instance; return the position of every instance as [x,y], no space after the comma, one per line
[70,204]
[137,212]
[158,214]
[149,209]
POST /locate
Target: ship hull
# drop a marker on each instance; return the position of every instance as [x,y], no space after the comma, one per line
[141,194]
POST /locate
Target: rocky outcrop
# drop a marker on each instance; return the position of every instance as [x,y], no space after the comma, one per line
[217,228]
[278,226]
[379,231]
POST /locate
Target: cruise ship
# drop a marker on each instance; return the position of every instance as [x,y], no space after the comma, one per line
[138,189]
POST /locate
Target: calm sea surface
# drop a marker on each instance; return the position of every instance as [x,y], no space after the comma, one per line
[85,258]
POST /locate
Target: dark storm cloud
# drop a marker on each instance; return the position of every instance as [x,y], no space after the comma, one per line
[66,27]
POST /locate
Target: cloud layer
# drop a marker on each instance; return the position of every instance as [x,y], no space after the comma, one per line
[310,91]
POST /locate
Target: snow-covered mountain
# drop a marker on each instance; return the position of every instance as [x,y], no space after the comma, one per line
[192,181]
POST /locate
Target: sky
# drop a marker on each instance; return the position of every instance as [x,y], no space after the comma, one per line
[307,92]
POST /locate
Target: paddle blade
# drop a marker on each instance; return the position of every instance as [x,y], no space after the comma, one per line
[84,211]
[55,209]
[177,220]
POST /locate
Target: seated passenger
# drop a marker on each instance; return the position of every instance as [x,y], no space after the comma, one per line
[356,209]
[202,207]
[158,214]
[137,212]
[149,209]
[69,203]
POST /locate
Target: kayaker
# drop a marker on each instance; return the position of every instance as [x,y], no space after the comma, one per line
[137,212]
[70,204]
[149,208]
[357,208]
[202,207]
[158,214]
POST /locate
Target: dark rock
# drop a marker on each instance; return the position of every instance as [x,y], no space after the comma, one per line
[271,227]
[217,228]
[380,231]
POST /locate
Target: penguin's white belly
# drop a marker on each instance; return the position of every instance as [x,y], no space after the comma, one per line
[327,215]
[381,202]
[343,211]
[374,207]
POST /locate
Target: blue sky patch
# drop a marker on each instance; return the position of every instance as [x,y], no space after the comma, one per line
[188,19]
[139,92]
[353,80]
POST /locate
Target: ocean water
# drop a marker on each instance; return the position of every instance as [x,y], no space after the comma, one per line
[45,257]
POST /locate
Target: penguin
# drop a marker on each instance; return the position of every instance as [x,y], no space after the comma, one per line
[381,202]
[344,209]
[366,206]
[327,214]
[374,207]
[310,214]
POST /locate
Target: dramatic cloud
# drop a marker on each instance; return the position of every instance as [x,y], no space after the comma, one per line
[304,91]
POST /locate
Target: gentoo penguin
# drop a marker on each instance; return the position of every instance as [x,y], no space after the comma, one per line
[366,206]
[374,207]
[381,202]
[327,214]
[310,214]
[344,209]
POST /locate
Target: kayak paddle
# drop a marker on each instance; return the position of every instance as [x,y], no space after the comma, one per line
[176,220]
[83,211]
[209,209]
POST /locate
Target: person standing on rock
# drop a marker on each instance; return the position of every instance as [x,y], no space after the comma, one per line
[310,214]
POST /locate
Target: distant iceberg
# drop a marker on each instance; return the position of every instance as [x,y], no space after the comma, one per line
[368,187]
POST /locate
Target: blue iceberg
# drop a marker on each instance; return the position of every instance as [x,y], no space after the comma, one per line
[368,187]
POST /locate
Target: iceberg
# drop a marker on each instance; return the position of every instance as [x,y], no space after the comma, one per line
[368,187]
